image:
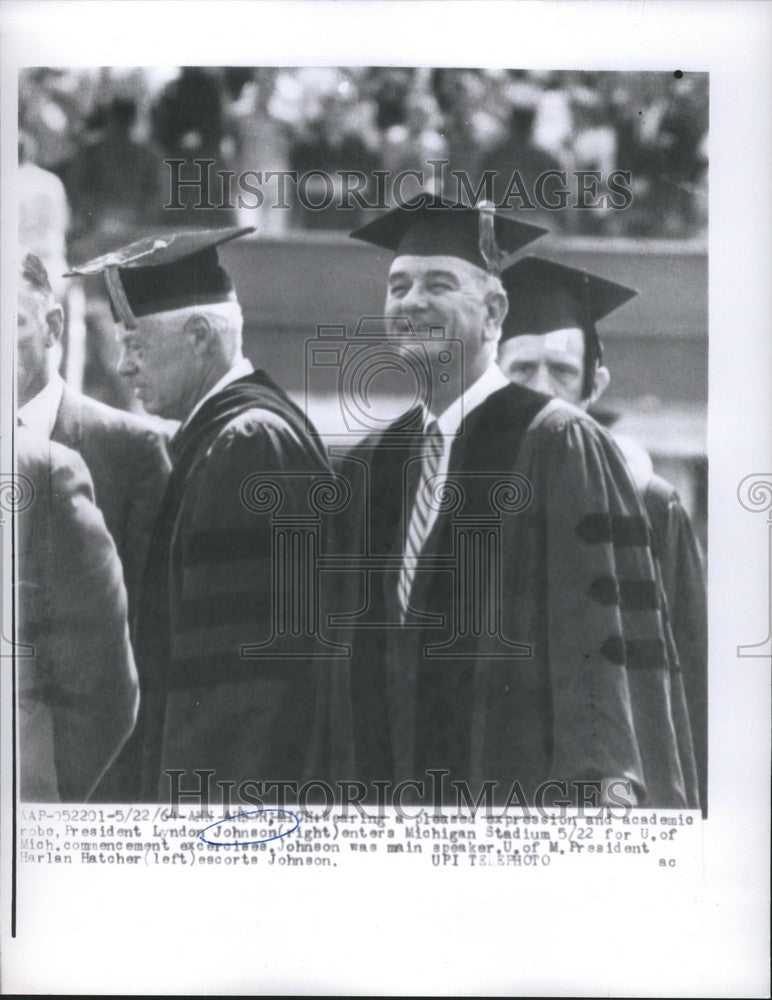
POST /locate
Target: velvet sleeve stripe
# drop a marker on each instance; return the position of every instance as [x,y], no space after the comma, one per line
[636,654]
[621,530]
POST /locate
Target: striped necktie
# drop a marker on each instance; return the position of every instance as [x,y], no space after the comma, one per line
[417,532]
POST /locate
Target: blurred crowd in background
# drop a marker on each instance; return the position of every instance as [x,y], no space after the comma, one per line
[92,145]
[93,141]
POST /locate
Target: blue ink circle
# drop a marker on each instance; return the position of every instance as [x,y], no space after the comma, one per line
[245,843]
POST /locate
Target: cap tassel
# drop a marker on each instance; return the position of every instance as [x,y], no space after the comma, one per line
[489,249]
[118,297]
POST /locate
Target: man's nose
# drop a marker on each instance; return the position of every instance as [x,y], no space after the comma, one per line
[541,381]
[414,299]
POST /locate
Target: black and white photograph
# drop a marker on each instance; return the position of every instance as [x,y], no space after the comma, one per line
[364,475]
[423,560]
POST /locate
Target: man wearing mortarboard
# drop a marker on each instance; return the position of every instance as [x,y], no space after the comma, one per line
[550,343]
[523,639]
[208,586]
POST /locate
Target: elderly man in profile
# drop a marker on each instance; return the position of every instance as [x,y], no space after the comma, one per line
[521,640]
[209,589]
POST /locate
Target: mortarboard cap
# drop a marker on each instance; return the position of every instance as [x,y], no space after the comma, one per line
[428,226]
[545,296]
[159,274]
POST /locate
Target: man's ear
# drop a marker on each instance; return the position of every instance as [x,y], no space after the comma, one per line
[55,324]
[198,333]
[600,383]
[496,307]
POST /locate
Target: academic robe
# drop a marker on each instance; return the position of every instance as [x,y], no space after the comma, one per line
[536,648]
[682,570]
[683,579]
[210,590]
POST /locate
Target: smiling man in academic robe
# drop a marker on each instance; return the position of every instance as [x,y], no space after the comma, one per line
[516,633]
[209,587]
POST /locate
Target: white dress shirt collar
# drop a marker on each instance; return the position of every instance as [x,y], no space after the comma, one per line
[449,423]
[39,413]
[489,382]
[239,369]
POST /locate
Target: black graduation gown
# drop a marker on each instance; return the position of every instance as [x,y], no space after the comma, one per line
[539,649]
[683,578]
[211,594]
